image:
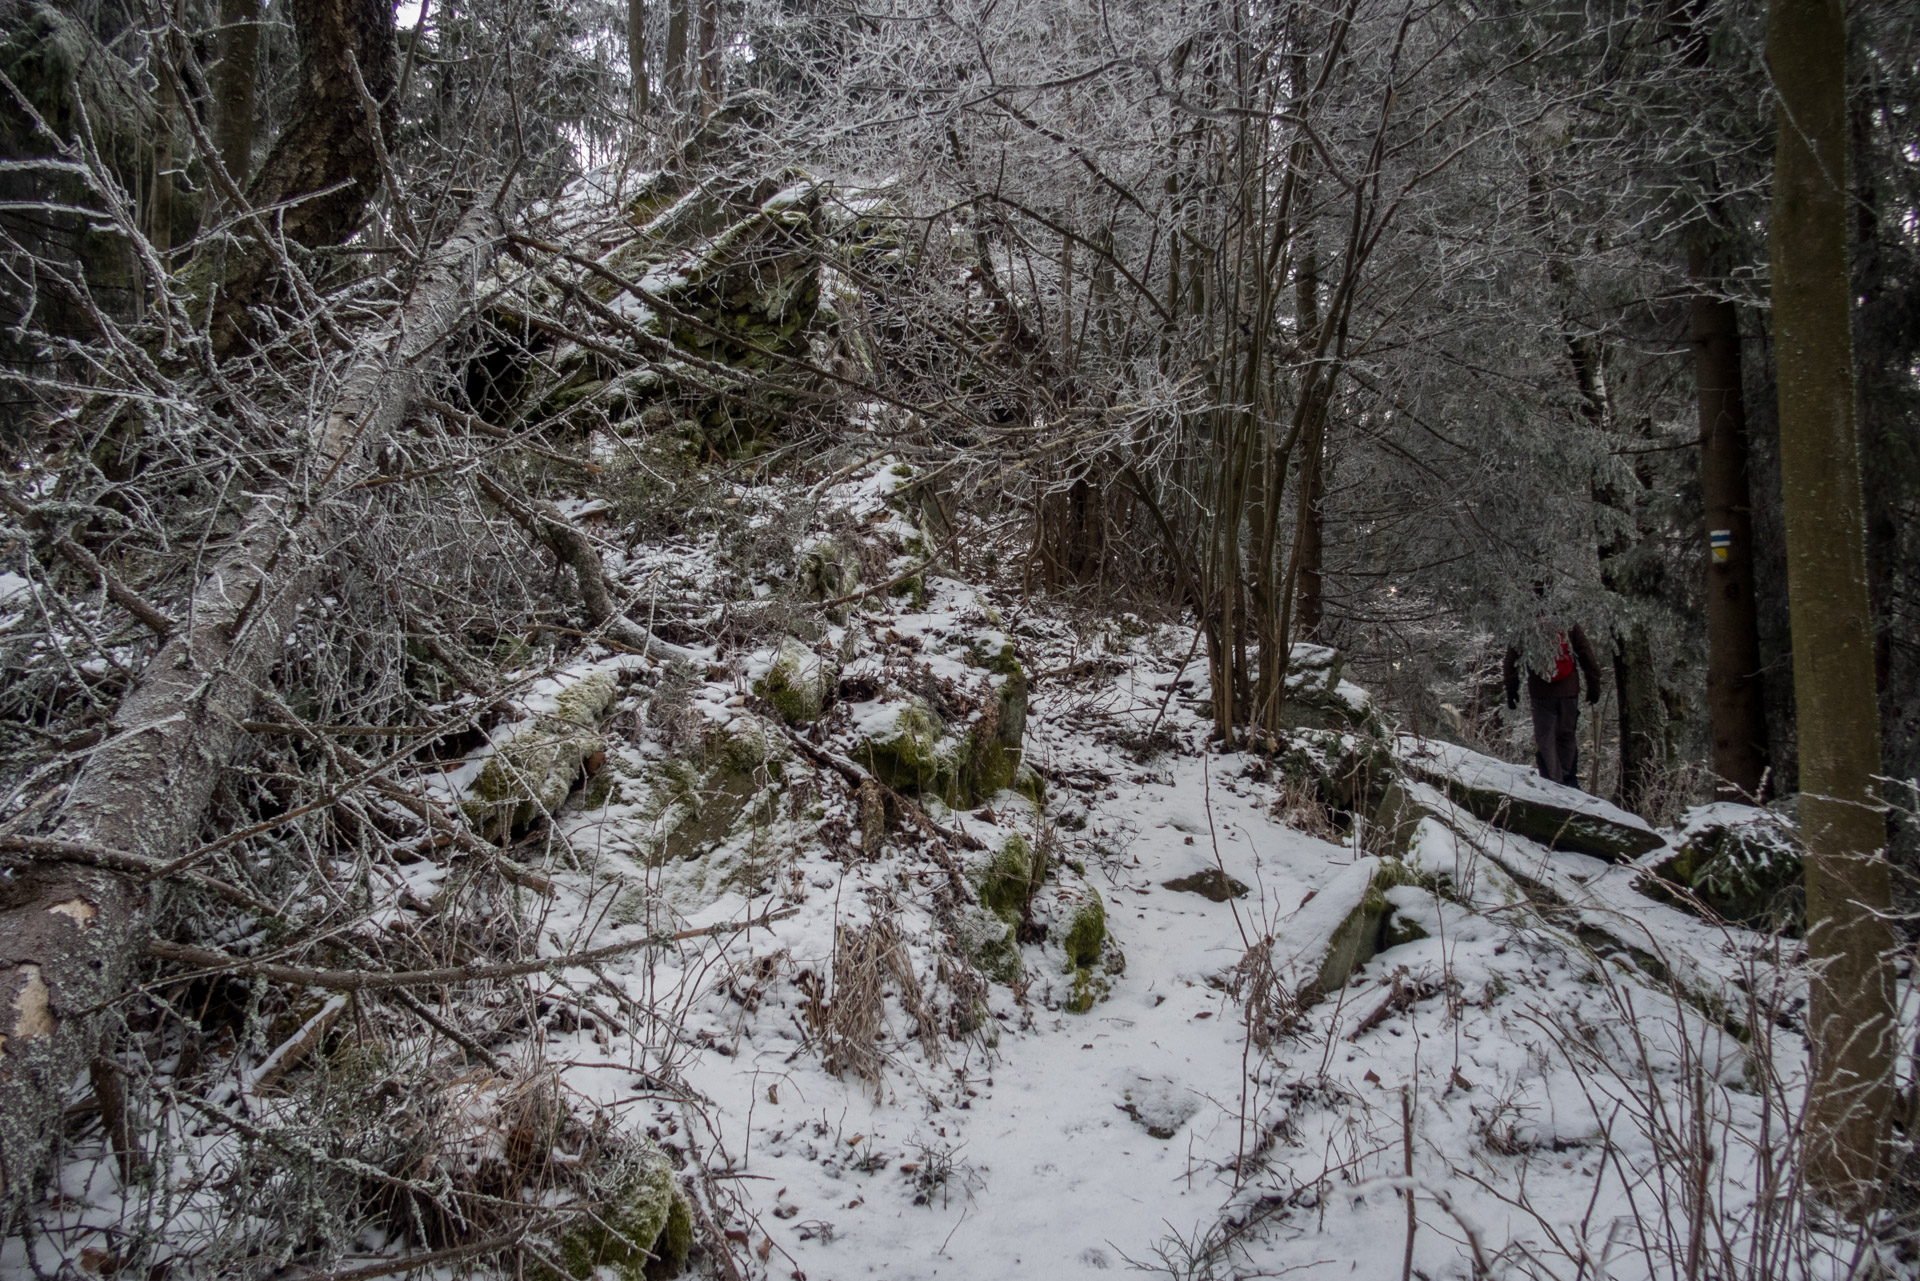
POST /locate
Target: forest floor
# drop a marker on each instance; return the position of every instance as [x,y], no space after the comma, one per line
[1556,1109]
[858,1073]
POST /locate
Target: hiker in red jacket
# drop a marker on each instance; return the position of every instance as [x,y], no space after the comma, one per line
[1555,701]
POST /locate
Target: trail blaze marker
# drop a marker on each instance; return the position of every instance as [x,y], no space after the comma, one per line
[1721,541]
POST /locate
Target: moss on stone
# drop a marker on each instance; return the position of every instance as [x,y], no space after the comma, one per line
[743,745]
[988,942]
[914,754]
[797,684]
[641,1229]
[534,771]
[1006,883]
[828,572]
[993,751]
[914,589]
[1086,990]
[1087,931]
[1397,929]
[1745,869]
[698,802]
[1393,928]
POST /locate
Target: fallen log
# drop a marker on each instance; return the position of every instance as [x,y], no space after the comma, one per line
[71,932]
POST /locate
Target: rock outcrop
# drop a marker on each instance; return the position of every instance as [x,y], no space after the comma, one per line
[1518,799]
[1741,862]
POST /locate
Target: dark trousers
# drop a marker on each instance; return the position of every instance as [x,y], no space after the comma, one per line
[1556,738]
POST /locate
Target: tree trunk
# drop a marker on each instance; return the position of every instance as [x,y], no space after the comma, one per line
[1637,687]
[676,82]
[637,57]
[69,932]
[326,148]
[1735,699]
[166,112]
[1313,486]
[1849,901]
[233,84]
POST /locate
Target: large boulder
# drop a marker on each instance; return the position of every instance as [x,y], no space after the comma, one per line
[1516,798]
[1341,927]
[1742,863]
[1319,698]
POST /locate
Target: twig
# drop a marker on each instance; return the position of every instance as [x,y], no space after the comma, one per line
[122,595]
[372,980]
[46,848]
[410,1262]
[1406,1144]
[877,588]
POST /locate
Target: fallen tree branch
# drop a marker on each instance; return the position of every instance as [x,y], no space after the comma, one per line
[47,849]
[118,592]
[910,809]
[877,588]
[208,961]
[71,932]
[563,538]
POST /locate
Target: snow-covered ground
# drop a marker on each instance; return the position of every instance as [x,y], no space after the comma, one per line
[1557,1111]
[1553,1108]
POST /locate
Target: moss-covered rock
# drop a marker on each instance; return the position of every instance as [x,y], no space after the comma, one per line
[1334,932]
[1210,883]
[1741,862]
[988,943]
[798,683]
[1395,819]
[1086,989]
[1006,882]
[533,772]
[828,572]
[993,754]
[1087,930]
[1318,698]
[908,748]
[1085,939]
[640,1229]
[1395,928]
[911,749]
[1516,798]
[699,800]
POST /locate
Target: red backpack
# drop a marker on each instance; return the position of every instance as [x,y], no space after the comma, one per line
[1563,661]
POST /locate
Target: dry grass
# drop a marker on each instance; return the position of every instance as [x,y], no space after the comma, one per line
[1297,802]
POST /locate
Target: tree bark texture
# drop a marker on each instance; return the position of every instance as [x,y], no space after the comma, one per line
[676,78]
[325,149]
[1735,700]
[1642,717]
[1851,1016]
[637,56]
[166,111]
[233,86]
[1311,604]
[69,933]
